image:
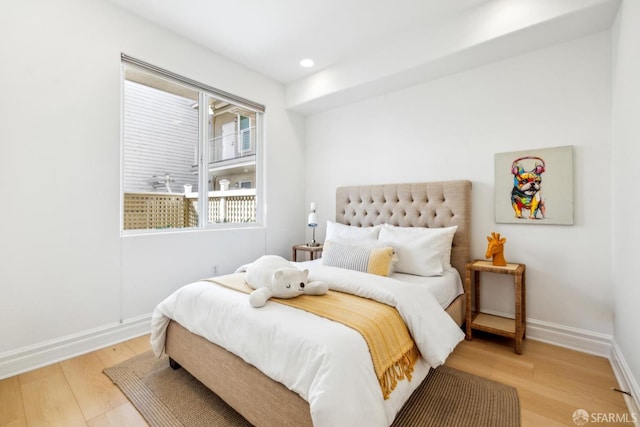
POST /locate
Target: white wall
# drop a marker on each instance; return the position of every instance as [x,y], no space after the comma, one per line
[626,152]
[451,128]
[65,271]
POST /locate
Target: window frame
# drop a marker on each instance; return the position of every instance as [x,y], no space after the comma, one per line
[205,94]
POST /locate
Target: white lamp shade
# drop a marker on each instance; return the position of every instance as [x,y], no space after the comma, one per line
[312,221]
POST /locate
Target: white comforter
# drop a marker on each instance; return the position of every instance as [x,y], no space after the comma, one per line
[325,362]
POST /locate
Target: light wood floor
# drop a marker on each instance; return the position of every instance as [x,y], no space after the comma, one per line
[552,383]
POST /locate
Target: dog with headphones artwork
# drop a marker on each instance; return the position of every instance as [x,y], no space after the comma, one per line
[526,192]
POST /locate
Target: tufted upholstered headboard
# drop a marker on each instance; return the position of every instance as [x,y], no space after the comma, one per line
[426,204]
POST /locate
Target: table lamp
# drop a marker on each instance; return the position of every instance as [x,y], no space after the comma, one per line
[312,221]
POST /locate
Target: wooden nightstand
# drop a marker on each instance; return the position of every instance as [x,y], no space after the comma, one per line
[314,251]
[511,328]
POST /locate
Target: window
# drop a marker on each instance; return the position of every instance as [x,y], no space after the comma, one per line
[185,166]
[245,133]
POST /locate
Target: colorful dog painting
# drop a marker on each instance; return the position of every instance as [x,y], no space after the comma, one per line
[535,186]
[526,193]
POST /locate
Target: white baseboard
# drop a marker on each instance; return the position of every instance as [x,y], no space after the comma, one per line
[565,336]
[626,380]
[32,357]
[595,343]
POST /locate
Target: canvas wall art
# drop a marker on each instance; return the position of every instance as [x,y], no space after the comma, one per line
[534,186]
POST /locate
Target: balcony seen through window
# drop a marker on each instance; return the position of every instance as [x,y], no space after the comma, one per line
[183,166]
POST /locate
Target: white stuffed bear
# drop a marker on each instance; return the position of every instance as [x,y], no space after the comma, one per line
[274,276]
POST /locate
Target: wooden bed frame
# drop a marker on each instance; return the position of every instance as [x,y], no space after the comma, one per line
[265,402]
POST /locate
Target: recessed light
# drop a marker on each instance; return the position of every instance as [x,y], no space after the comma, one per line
[306,63]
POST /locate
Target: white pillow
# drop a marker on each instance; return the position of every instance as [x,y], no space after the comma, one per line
[421,251]
[349,234]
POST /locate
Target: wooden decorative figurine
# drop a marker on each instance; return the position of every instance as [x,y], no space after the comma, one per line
[495,249]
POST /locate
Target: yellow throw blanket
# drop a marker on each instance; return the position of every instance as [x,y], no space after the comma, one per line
[393,351]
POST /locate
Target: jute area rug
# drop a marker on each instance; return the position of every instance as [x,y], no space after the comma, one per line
[448,397]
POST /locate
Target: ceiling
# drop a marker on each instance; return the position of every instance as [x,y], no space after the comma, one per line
[272,36]
[362,48]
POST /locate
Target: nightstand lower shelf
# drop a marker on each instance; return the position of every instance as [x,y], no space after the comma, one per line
[494,324]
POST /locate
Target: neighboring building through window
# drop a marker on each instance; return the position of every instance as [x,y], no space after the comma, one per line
[185,167]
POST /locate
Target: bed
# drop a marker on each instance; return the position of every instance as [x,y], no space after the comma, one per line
[264,401]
